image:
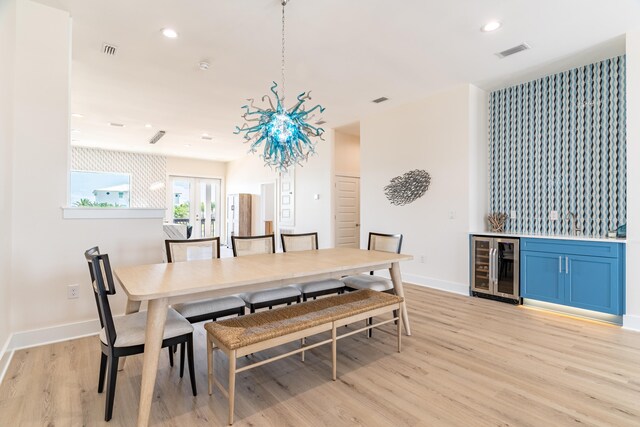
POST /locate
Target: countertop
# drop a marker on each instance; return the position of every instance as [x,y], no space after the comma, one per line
[547,236]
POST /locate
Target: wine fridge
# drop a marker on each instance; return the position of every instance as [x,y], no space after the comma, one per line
[495,267]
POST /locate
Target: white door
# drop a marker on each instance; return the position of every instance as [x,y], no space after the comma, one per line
[194,202]
[347,211]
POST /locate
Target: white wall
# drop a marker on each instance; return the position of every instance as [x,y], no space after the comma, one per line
[7,53]
[438,135]
[632,318]
[47,250]
[316,177]
[347,154]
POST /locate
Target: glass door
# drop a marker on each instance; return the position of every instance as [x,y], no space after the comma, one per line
[194,204]
[507,273]
[481,267]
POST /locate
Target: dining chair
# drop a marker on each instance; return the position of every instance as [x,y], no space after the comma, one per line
[254,245]
[124,335]
[308,242]
[377,242]
[206,309]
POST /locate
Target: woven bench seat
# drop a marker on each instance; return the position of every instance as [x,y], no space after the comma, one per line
[255,332]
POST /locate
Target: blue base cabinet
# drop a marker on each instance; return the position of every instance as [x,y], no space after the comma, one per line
[582,274]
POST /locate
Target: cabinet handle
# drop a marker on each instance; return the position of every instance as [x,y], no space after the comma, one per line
[559,264]
[566,264]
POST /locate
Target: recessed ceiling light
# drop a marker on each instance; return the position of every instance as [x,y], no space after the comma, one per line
[491,26]
[169,33]
[79,116]
[148,125]
[204,65]
[187,145]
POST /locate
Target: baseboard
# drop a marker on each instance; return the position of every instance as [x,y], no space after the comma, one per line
[443,285]
[631,322]
[38,337]
[5,358]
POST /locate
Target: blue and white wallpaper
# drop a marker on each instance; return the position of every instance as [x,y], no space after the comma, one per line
[559,143]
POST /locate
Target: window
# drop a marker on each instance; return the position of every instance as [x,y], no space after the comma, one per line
[99,189]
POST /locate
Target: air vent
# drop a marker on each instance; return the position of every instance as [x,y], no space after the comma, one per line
[157,137]
[206,137]
[118,125]
[379,100]
[109,49]
[321,122]
[513,50]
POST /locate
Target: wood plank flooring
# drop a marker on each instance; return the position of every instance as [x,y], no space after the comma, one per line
[470,362]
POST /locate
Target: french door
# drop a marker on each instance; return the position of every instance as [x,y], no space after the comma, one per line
[195,202]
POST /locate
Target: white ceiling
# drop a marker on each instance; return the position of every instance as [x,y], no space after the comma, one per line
[346,52]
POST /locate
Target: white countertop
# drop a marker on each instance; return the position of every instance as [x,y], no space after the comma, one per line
[547,236]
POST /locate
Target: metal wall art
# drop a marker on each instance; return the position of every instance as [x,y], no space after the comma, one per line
[407,188]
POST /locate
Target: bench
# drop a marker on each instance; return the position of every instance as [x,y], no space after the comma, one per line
[249,334]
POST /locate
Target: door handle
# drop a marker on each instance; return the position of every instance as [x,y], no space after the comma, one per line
[559,264]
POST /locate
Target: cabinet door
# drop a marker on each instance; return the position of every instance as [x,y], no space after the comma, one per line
[593,283]
[541,276]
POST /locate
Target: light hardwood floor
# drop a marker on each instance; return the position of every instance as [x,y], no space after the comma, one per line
[470,362]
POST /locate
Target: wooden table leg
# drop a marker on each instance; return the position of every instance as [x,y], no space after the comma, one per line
[396,278]
[132,307]
[156,319]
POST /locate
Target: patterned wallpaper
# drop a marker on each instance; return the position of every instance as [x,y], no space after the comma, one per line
[559,143]
[145,170]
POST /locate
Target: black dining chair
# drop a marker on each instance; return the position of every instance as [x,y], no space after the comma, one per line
[124,335]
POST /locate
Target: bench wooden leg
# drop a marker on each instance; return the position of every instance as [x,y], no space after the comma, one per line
[210,364]
[334,351]
[232,383]
[399,326]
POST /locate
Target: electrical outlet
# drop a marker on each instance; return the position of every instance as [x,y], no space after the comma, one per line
[553,215]
[452,214]
[73,291]
[423,259]
[514,215]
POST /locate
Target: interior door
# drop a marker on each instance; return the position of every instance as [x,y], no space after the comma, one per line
[347,205]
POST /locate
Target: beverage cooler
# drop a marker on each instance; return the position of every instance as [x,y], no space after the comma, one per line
[495,267]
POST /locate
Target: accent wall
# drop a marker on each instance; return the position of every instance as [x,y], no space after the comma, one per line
[559,144]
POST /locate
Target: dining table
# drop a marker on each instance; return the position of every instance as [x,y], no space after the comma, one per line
[161,285]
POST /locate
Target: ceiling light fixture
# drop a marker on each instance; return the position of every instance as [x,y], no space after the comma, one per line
[169,33]
[491,26]
[287,135]
[148,125]
[76,115]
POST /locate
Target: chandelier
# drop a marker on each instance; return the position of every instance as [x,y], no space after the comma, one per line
[286,136]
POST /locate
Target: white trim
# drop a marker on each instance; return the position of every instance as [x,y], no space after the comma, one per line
[631,322]
[429,282]
[54,334]
[113,213]
[5,358]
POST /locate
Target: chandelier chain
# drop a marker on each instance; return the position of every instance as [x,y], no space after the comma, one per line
[284,3]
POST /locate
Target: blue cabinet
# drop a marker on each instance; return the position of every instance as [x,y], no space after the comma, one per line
[588,275]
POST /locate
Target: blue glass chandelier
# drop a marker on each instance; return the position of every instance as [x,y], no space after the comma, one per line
[286,135]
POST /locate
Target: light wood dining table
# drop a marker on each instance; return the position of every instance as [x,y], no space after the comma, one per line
[164,284]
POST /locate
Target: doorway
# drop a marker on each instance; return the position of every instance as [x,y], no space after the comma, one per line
[347,217]
[195,202]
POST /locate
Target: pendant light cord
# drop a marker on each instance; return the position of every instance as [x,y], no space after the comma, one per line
[284,3]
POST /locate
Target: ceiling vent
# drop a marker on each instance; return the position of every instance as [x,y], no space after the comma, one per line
[157,137]
[379,100]
[513,50]
[109,49]
[118,125]
[206,137]
[321,122]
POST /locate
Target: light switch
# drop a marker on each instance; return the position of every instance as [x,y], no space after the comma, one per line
[316,197]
